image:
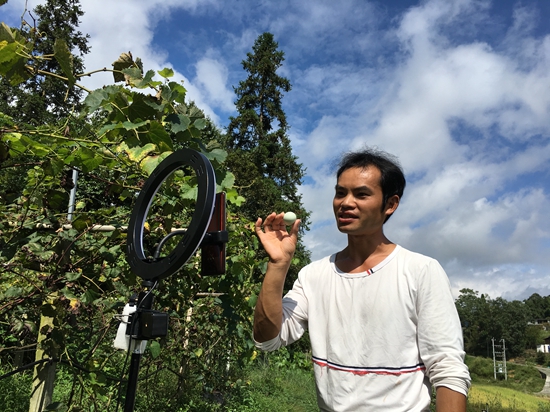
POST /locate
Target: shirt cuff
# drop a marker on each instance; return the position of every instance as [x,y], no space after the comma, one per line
[455,384]
[269,345]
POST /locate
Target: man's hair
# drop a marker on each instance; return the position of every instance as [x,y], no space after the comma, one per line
[392,178]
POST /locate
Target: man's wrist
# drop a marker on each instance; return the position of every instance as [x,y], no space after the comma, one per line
[279,264]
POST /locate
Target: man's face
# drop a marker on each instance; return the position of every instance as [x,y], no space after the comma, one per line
[358,202]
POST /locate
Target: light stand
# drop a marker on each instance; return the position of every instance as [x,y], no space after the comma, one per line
[144,303]
[145,323]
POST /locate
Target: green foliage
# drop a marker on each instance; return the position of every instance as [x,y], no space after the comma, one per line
[480,368]
[484,318]
[36,83]
[78,276]
[541,358]
[475,317]
[535,335]
[538,307]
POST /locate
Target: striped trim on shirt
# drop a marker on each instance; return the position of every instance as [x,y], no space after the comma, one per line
[361,370]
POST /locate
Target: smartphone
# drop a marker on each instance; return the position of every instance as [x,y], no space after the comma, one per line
[213,246]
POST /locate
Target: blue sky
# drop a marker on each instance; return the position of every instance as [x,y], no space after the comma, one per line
[459,90]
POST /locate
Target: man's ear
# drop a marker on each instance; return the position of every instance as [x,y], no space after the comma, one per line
[391,205]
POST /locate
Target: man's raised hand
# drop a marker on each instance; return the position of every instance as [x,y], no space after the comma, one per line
[276,240]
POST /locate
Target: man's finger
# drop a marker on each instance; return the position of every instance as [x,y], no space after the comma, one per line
[295,228]
[258,225]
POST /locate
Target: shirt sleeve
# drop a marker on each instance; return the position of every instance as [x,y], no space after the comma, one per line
[294,319]
[439,331]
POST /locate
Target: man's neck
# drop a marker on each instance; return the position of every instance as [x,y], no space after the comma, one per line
[364,253]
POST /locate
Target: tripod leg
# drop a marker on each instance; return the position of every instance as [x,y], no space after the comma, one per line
[132,383]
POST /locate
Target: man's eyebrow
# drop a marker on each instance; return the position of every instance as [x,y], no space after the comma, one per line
[359,188]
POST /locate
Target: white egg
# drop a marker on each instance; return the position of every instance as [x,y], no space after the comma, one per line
[289,218]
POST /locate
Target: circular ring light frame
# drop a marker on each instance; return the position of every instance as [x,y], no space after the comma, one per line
[149,269]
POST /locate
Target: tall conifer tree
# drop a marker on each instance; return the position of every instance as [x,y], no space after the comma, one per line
[260,154]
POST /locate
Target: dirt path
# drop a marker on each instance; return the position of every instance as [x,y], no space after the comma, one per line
[546,388]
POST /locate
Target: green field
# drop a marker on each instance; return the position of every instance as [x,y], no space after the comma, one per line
[498,398]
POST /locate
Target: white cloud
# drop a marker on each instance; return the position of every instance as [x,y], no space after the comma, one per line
[457,206]
[509,281]
[212,78]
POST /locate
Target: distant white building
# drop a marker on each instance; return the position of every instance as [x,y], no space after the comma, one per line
[545,347]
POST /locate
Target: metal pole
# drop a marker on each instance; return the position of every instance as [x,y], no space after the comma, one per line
[504,359]
[72,197]
[145,302]
[131,389]
[494,360]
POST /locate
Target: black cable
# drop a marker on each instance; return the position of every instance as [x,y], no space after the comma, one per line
[163,241]
[155,284]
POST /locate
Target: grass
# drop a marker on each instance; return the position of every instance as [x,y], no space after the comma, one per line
[522,378]
[15,392]
[498,398]
[516,394]
[276,390]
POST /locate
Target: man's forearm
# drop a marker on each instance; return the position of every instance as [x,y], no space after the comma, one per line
[447,400]
[268,315]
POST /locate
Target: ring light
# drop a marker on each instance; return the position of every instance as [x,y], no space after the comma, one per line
[161,268]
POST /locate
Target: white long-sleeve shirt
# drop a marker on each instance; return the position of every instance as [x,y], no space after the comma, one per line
[379,339]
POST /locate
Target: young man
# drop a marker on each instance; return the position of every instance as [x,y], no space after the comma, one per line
[382,320]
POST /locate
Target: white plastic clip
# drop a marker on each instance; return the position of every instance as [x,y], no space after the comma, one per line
[122,340]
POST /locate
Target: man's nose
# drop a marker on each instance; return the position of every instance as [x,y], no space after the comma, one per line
[348,201]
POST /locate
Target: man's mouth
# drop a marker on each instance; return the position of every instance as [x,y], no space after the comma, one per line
[345,218]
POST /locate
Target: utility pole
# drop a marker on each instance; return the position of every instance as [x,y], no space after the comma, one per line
[499,352]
